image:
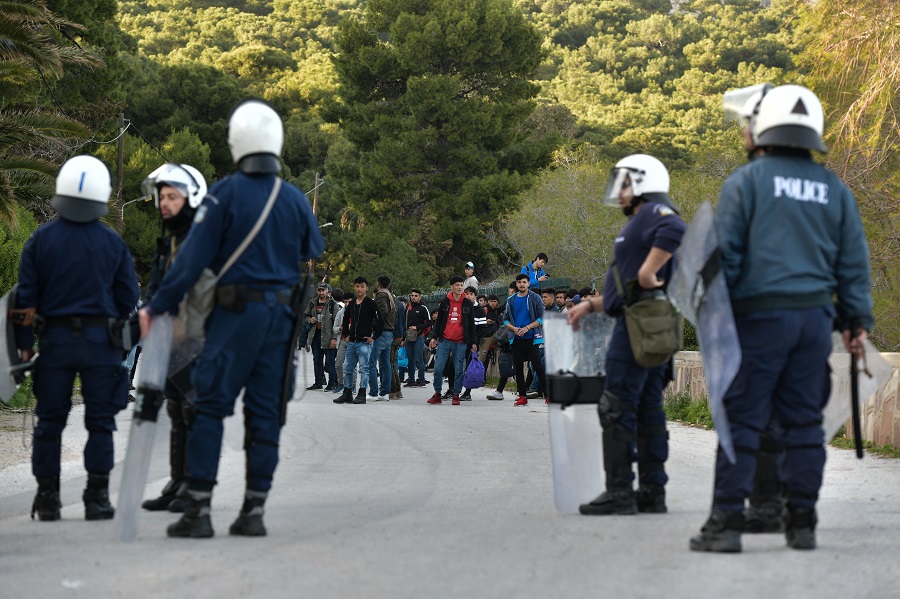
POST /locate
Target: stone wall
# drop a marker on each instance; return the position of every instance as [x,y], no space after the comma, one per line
[881,419]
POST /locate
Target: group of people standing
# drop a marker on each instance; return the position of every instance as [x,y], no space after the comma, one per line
[795,260]
[791,246]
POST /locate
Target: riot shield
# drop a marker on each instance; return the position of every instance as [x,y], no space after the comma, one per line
[699,289]
[576,362]
[872,378]
[149,398]
[12,370]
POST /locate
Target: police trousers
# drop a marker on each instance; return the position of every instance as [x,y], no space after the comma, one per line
[89,354]
[246,350]
[784,376]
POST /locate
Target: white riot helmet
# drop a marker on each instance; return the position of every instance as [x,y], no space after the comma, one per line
[182,177]
[646,175]
[83,186]
[255,138]
[790,116]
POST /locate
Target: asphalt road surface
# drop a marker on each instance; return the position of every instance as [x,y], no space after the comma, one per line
[404,499]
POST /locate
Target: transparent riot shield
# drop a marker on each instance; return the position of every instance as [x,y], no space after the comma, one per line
[872,378]
[576,369]
[148,399]
[699,289]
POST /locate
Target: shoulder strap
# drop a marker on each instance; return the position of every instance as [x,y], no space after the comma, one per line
[256,227]
[618,280]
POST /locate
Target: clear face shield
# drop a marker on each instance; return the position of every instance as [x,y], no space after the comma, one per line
[620,179]
[740,104]
[170,174]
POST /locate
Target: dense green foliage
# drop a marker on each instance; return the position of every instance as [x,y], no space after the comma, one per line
[447,130]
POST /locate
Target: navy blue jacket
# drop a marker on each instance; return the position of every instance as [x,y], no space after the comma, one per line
[791,237]
[289,237]
[655,225]
[75,269]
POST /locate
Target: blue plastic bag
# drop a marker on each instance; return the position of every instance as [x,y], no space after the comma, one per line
[402,359]
[474,376]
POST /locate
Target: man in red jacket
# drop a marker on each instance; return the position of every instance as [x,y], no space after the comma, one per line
[453,335]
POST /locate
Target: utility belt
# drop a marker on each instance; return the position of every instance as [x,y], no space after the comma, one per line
[123,333]
[234,298]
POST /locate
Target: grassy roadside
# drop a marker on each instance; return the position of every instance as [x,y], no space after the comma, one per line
[682,408]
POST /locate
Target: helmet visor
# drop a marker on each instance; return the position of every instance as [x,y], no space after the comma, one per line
[619,180]
[737,105]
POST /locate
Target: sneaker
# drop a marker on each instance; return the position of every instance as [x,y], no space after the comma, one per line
[496,395]
[435,399]
[546,401]
[396,395]
[522,401]
[412,384]
[314,387]
[467,396]
[328,388]
[455,401]
[533,394]
[381,398]
[338,389]
[721,533]
[447,395]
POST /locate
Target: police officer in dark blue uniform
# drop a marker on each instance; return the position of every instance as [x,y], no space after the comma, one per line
[248,334]
[76,279]
[631,412]
[791,241]
[177,190]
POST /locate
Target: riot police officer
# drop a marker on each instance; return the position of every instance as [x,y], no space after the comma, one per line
[791,240]
[177,190]
[631,411]
[248,334]
[76,280]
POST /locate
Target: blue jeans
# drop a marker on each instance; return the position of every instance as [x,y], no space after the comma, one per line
[380,357]
[445,350]
[357,352]
[415,351]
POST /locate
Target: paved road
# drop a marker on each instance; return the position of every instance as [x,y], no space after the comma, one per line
[403,499]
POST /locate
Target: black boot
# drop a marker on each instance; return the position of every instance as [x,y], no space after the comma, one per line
[46,503]
[249,522]
[619,497]
[346,397]
[721,533]
[360,396]
[165,497]
[800,527]
[96,498]
[765,517]
[651,499]
[195,523]
[178,505]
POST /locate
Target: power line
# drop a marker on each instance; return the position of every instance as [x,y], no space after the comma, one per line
[138,131]
[115,139]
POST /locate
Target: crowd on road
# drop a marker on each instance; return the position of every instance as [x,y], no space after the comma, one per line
[390,339]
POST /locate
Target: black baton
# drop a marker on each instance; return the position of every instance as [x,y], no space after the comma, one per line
[298,302]
[854,398]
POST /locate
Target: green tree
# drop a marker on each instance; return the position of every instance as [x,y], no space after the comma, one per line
[852,54]
[434,96]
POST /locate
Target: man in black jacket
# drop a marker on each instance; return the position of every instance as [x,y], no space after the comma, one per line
[359,322]
[453,334]
[418,322]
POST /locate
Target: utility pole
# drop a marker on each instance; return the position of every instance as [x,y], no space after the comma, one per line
[120,166]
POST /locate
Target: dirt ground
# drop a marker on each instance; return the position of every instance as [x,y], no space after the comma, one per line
[15,437]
